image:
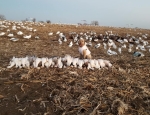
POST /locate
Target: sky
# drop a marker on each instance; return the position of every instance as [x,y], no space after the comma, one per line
[117,13]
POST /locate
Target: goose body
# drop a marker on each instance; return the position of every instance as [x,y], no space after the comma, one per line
[70,44]
[10,35]
[27,36]
[19,33]
[2,33]
[110,52]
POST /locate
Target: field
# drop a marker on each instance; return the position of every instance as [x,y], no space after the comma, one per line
[123,89]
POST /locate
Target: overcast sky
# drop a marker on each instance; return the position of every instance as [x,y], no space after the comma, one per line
[118,13]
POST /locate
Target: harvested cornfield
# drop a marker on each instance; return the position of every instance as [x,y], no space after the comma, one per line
[122,89]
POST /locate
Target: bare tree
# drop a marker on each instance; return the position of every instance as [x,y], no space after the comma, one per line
[26,19]
[48,21]
[34,19]
[41,21]
[95,23]
[2,17]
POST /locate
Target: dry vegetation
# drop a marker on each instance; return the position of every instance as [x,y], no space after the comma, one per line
[123,89]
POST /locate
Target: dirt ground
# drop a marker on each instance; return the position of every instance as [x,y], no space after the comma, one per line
[123,89]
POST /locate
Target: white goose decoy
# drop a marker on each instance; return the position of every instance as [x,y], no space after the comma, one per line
[2,33]
[65,39]
[110,52]
[89,44]
[90,39]
[58,32]
[124,46]
[37,37]
[130,49]
[8,30]
[27,36]
[19,33]
[50,34]
[110,43]
[59,40]
[119,50]
[75,39]
[125,40]
[105,45]
[96,40]
[14,28]
[10,35]
[97,45]
[144,36]
[114,46]
[14,39]
[142,47]
[34,30]
[70,44]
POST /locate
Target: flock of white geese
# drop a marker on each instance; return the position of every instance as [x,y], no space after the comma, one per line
[110,41]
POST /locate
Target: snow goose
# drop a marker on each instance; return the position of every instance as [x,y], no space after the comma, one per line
[25,62]
[124,46]
[10,35]
[144,36]
[90,39]
[44,60]
[59,63]
[125,40]
[27,36]
[141,47]
[2,33]
[34,30]
[70,44]
[75,61]
[37,37]
[36,62]
[119,50]
[110,43]
[15,62]
[50,34]
[105,45]
[8,30]
[97,45]
[89,44]
[68,60]
[130,49]
[107,63]
[101,63]
[48,63]
[14,28]
[19,33]
[110,52]
[14,39]
[64,39]
[80,63]
[138,54]
[97,65]
[95,40]
[59,40]
[58,32]
[92,63]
